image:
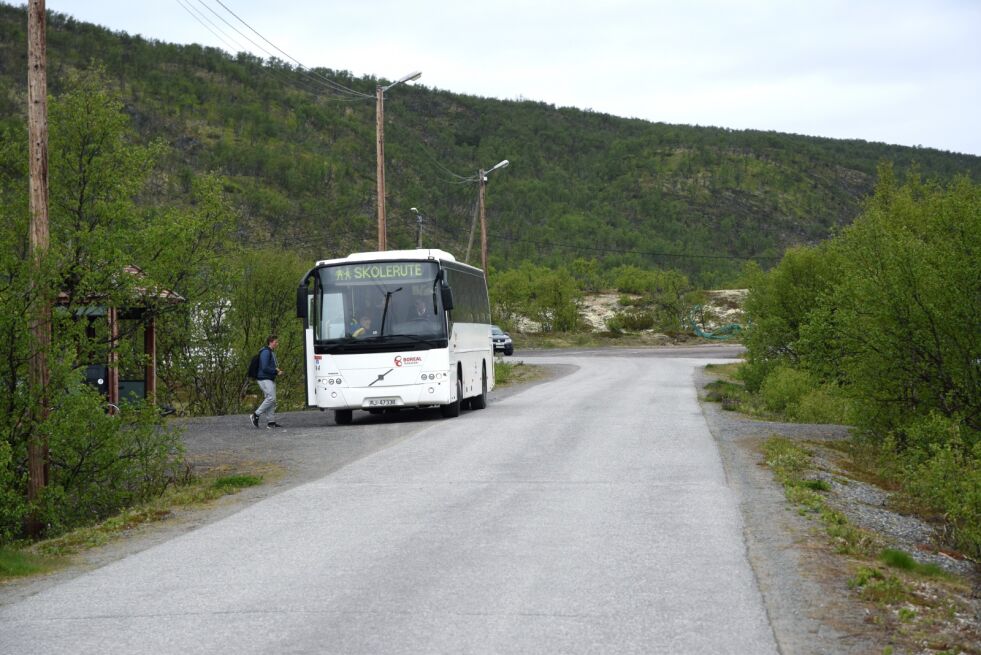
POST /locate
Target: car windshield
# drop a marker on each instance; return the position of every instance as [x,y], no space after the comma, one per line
[496,330]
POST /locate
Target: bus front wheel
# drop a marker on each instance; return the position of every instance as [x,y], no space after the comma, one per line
[452,410]
[343,416]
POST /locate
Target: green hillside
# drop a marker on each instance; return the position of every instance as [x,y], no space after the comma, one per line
[299,161]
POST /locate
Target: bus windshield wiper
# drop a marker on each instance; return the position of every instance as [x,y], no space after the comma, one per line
[388,298]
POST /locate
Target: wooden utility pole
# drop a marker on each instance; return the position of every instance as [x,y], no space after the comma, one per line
[380,163]
[473,229]
[482,182]
[37,121]
[380,153]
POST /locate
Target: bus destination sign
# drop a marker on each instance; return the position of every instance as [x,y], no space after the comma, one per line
[395,271]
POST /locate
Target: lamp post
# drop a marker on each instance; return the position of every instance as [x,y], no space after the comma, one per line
[418,226]
[482,181]
[380,152]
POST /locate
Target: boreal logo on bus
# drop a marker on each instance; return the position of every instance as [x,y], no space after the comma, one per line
[409,360]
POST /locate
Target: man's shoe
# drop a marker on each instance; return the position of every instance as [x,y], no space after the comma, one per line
[273,424]
[254,420]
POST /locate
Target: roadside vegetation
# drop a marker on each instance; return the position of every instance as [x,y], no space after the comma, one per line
[880,329]
[24,558]
[921,607]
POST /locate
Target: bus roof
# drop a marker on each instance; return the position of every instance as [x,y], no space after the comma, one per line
[426,254]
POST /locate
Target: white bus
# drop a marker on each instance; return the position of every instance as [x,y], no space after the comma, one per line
[394,329]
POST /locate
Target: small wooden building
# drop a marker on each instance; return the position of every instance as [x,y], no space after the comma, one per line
[115,383]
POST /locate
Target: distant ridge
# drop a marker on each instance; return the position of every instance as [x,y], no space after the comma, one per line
[300,162]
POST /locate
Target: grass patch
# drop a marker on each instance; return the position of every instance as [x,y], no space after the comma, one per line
[732,396]
[233,483]
[903,561]
[51,553]
[875,586]
[731,392]
[791,464]
[517,372]
[17,563]
[918,603]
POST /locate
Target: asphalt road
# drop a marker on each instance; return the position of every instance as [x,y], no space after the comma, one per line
[587,514]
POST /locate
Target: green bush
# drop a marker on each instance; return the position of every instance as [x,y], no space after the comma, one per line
[823,405]
[13,507]
[549,297]
[633,320]
[797,395]
[101,462]
[907,304]
[881,327]
[783,389]
[944,472]
[779,307]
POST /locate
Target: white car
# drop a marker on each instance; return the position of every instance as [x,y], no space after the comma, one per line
[502,341]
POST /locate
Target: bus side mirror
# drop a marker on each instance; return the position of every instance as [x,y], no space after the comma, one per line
[446,294]
[301,301]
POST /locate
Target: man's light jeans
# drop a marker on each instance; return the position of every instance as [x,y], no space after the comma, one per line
[268,406]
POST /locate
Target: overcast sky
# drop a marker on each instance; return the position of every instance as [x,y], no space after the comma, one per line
[895,71]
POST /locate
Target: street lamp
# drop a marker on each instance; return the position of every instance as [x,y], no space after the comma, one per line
[482,181]
[380,151]
[418,226]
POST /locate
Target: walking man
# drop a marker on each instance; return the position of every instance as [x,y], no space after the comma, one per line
[268,370]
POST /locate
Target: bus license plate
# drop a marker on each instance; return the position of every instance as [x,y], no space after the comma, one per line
[382,402]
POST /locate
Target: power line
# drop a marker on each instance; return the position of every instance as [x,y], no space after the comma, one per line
[618,251]
[201,18]
[321,82]
[316,78]
[336,85]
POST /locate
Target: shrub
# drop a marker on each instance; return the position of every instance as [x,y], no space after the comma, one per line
[908,303]
[633,320]
[779,307]
[783,389]
[823,405]
[947,477]
[100,462]
[12,505]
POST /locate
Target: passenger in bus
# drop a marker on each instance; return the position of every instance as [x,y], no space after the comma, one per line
[422,309]
[364,327]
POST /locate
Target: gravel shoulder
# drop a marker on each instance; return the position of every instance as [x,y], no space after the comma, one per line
[803,580]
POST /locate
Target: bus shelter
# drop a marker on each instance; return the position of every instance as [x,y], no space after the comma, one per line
[131,327]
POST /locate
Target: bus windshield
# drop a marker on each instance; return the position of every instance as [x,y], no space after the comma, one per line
[368,306]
